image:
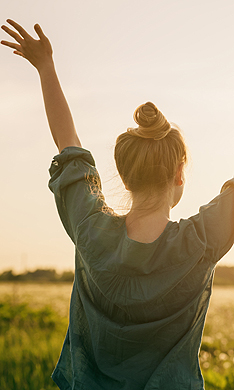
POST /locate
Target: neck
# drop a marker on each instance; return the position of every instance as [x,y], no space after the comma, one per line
[147,207]
[147,219]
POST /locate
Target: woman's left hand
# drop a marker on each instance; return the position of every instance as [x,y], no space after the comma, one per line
[37,52]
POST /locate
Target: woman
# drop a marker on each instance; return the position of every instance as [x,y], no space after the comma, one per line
[142,282]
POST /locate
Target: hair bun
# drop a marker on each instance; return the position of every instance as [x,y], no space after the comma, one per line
[152,123]
[146,115]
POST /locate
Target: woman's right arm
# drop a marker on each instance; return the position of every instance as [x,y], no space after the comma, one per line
[39,54]
[57,110]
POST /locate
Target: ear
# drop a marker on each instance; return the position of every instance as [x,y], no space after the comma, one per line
[179,175]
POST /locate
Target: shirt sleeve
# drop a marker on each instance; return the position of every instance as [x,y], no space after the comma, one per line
[76,185]
[214,224]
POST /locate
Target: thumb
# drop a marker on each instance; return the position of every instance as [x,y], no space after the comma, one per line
[39,31]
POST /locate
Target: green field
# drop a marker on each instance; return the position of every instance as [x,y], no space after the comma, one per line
[34,319]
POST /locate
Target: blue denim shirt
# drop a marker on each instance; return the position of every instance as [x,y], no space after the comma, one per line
[137,310]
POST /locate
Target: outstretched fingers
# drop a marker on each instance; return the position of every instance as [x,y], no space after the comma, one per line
[19,28]
[13,34]
[37,52]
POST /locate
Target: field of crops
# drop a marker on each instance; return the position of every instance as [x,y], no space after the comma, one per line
[33,322]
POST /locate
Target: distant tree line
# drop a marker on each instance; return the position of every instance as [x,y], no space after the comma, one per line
[39,275]
[224,276]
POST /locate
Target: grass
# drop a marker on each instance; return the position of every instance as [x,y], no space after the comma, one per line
[217,350]
[31,336]
[30,344]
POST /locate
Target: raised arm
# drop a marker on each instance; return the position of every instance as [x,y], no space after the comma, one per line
[39,54]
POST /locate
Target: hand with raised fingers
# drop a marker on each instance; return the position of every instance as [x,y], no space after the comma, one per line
[37,52]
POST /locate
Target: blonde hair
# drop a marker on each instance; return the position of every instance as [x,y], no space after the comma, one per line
[148,157]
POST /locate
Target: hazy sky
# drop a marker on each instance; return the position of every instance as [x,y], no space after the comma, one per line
[111,56]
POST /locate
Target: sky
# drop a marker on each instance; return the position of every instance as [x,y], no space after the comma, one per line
[112,56]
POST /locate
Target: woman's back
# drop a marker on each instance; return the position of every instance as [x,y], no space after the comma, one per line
[137,309]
